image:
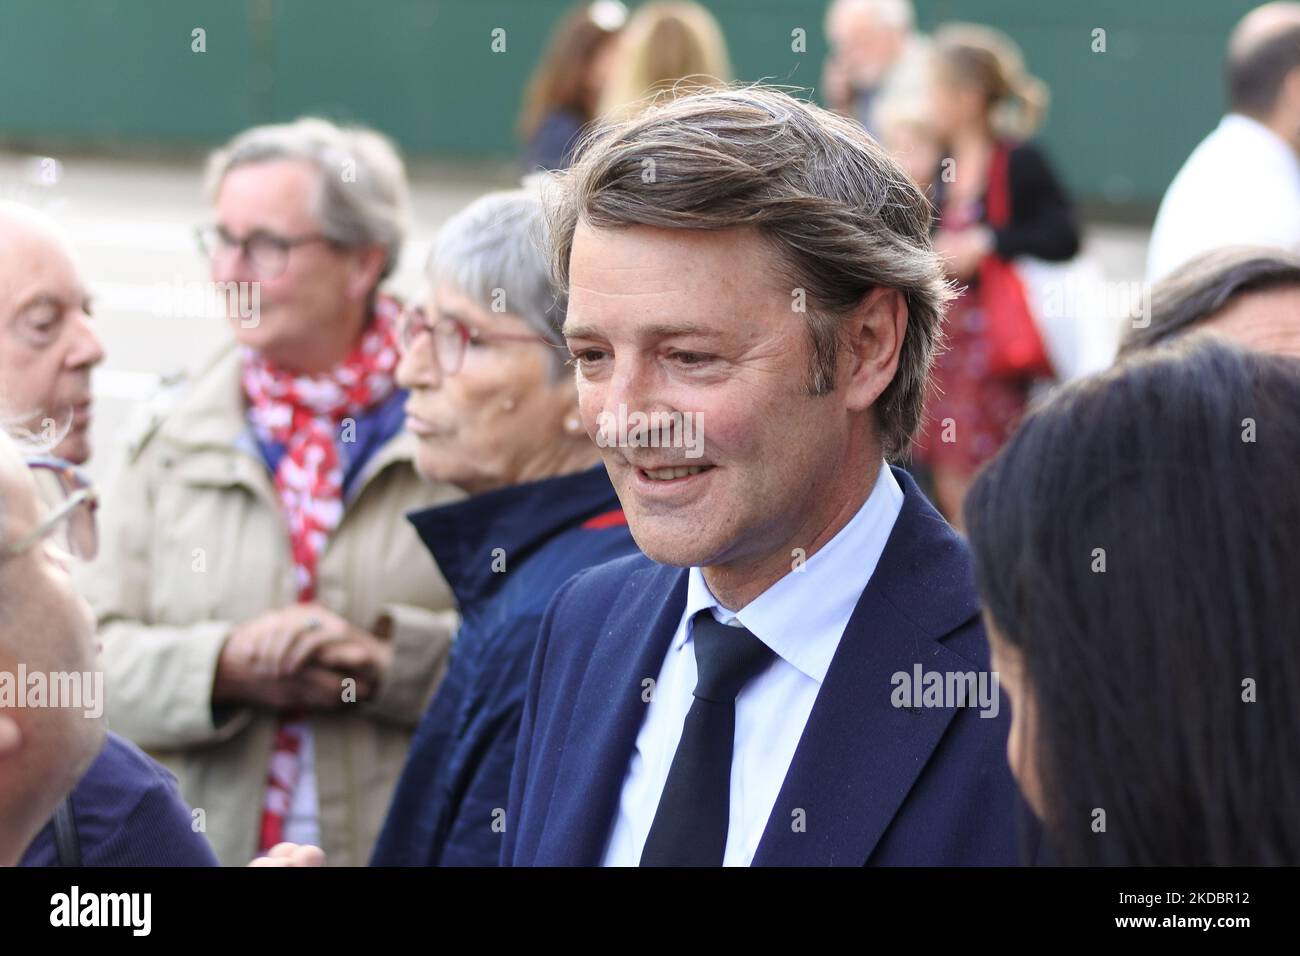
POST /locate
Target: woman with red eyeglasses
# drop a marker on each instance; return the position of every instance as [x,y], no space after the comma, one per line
[495,410]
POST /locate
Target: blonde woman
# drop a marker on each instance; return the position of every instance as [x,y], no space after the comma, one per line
[667,49]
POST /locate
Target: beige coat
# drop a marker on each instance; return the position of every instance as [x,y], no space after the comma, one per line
[192,543]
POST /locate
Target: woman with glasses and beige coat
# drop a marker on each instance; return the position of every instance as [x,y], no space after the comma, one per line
[272,627]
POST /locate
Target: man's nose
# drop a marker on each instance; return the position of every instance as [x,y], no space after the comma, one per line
[88,350]
[230,264]
[631,384]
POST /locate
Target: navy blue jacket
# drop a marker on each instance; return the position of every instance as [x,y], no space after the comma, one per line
[448,805]
[129,812]
[877,784]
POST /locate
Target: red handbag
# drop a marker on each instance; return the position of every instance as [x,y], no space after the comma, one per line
[1015,346]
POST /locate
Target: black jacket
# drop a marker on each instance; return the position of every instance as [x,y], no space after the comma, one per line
[1043,223]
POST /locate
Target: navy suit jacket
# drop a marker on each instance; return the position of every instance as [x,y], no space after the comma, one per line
[871,782]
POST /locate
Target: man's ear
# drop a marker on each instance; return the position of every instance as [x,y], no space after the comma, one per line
[367,265]
[11,737]
[873,338]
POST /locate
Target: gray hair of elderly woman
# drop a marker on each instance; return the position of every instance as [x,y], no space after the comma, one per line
[362,197]
[494,252]
[841,216]
[1199,288]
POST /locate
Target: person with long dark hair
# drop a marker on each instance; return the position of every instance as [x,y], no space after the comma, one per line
[562,94]
[1137,546]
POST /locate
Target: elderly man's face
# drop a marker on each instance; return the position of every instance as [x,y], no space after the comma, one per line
[303,303]
[867,47]
[700,323]
[48,343]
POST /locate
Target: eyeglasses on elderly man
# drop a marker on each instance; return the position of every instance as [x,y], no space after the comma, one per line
[71,500]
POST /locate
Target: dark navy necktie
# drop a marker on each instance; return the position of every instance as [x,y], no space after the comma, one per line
[690,824]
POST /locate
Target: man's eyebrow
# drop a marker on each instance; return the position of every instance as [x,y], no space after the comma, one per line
[578,332]
[39,299]
[660,331]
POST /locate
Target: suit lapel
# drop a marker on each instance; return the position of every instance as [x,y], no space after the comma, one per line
[609,710]
[859,755]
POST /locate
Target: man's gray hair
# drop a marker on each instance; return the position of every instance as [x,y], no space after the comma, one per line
[494,252]
[841,215]
[1198,289]
[362,197]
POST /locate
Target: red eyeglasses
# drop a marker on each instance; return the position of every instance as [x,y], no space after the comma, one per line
[451,336]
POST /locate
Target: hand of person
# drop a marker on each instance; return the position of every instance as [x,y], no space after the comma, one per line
[362,655]
[268,660]
[962,250]
[291,854]
[329,641]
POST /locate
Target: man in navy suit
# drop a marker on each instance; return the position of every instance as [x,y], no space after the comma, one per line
[795,673]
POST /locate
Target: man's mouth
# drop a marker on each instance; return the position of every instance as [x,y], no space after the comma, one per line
[73,415]
[671,473]
[666,476]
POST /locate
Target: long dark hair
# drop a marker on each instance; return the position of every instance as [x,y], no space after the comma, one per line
[560,79]
[1168,685]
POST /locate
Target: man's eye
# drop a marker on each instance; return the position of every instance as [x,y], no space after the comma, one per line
[689,358]
[41,321]
[585,357]
[264,241]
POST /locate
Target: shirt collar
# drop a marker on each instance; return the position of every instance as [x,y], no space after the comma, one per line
[803,615]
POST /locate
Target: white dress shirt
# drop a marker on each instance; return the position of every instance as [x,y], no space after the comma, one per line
[1240,185]
[801,618]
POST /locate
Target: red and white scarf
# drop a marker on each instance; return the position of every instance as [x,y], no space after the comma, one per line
[304,413]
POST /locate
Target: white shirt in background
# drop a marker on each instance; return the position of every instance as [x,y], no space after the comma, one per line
[1240,185]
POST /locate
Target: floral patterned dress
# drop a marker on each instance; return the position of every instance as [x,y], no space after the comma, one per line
[969,413]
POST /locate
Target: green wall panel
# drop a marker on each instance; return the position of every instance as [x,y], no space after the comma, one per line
[97,71]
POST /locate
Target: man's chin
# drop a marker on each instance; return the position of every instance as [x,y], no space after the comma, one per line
[74,448]
[684,549]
